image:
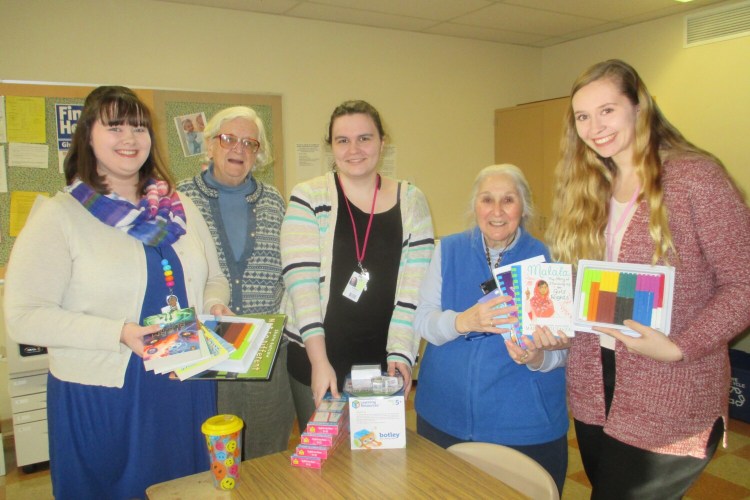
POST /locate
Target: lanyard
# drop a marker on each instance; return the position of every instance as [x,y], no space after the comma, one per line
[612,232]
[361,255]
[499,257]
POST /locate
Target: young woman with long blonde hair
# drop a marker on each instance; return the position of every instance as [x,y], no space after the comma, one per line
[649,411]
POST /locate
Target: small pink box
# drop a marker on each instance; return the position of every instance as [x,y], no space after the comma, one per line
[306,462]
[340,405]
[318,439]
[326,422]
[309,450]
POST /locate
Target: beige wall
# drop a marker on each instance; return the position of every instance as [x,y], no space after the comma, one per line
[702,90]
[436,94]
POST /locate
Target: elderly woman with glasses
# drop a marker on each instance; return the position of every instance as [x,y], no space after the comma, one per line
[244,216]
[473,385]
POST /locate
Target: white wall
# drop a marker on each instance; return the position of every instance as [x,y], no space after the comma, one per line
[436,94]
[702,90]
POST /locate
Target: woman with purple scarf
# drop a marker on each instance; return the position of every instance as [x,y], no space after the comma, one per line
[116,246]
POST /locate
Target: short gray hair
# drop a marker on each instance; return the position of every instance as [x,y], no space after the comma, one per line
[519,180]
[213,126]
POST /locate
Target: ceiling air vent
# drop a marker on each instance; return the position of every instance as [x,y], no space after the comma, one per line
[715,25]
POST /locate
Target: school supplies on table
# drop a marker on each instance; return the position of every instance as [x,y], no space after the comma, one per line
[608,293]
[328,427]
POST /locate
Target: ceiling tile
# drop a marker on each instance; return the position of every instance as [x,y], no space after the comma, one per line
[488,34]
[597,9]
[354,16]
[263,6]
[437,10]
[511,17]
[611,10]
[536,23]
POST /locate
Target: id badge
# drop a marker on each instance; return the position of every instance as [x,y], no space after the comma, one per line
[357,284]
[172,304]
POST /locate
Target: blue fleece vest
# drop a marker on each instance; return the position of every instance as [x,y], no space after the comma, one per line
[472,389]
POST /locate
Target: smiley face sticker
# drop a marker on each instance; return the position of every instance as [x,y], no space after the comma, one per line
[227,483]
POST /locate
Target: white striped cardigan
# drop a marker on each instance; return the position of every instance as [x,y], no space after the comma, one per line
[306,254]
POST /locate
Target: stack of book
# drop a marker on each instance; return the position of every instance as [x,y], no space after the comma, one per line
[327,428]
[542,293]
[204,347]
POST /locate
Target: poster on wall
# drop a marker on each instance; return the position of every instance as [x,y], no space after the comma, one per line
[3,134]
[66,118]
[190,129]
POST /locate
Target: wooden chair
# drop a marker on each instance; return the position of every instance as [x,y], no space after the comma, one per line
[512,467]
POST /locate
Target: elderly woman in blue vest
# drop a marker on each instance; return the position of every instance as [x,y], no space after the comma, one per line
[473,386]
[244,216]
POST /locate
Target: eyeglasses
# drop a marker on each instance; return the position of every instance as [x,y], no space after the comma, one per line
[229,141]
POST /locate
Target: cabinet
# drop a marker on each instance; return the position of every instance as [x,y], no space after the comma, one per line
[528,136]
[28,400]
[27,389]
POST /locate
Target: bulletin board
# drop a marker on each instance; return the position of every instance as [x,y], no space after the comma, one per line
[169,110]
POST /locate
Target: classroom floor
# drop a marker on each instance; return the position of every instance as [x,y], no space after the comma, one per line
[727,476]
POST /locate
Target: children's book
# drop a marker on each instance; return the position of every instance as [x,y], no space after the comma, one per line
[246,335]
[219,350]
[608,293]
[508,284]
[546,297]
[178,343]
[265,359]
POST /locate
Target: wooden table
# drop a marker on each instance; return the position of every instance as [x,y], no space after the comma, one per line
[421,470]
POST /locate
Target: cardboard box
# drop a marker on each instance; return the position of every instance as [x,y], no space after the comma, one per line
[377,422]
[739,390]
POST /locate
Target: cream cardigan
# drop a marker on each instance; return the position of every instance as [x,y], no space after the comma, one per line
[72,282]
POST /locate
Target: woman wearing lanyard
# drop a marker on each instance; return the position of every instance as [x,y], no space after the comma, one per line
[354,248]
[473,385]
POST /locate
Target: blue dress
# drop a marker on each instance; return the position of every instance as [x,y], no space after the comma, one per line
[110,443]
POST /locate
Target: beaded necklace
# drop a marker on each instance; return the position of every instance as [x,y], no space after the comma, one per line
[166,267]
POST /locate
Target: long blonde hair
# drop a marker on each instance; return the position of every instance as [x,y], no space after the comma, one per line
[584,180]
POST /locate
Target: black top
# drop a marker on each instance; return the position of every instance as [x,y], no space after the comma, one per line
[357,332]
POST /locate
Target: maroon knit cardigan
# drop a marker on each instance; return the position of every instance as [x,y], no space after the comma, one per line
[670,407]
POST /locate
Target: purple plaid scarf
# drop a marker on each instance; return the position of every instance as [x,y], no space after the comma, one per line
[158,219]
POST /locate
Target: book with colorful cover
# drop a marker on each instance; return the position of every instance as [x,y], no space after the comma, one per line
[262,366]
[546,297]
[245,333]
[178,343]
[506,287]
[507,284]
[219,350]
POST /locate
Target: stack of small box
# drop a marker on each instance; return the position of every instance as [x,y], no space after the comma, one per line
[328,427]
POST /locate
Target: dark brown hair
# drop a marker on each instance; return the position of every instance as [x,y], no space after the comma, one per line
[111,105]
[355,108]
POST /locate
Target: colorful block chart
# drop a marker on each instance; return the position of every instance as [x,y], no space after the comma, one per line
[608,293]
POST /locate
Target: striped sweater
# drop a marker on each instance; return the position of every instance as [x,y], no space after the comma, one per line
[306,253]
